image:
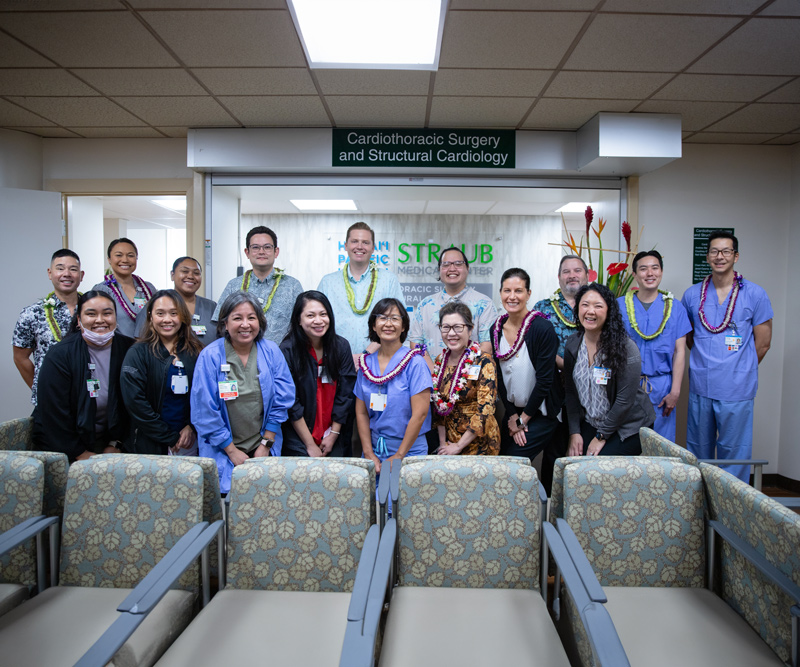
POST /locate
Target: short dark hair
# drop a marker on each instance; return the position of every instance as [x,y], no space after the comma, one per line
[457,308]
[86,296]
[261,230]
[232,302]
[647,253]
[522,274]
[452,247]
[381,308]
[721,234]
[566,257]
[362,226]
[178,262]
[121,239]
[64,252]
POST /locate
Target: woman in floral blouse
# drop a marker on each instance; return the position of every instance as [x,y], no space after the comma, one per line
[464,388]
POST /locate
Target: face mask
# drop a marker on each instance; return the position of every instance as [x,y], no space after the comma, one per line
[98,340]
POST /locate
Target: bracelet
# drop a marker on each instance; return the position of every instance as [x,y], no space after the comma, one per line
[336,432]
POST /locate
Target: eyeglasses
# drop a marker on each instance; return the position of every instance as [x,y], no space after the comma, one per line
[394,319]
[447,328]
[267,247]
[459,263]
[725,252]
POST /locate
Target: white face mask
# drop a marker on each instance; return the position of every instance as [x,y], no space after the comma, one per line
[98,340]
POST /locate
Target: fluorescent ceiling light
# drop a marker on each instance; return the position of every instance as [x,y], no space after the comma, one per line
[574,207]
[178,204]
[325,204]
[370,34]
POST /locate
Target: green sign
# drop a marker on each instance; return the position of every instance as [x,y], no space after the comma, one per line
[452,149]
[700,267]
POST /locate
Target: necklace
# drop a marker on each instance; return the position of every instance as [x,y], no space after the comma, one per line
[351,296]
[498,328]
[629,307]
[559,314]
[49,303]
[737,285]
[383,379]
[278,276]
[459,382]
[111,282]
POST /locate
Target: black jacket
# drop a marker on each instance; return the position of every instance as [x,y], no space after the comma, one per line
[305,382]
[63,420]
[143,383]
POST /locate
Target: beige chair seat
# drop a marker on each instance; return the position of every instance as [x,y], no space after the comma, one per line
[58,626]
[683,626]
[257,627]
[469,626]
[12,595]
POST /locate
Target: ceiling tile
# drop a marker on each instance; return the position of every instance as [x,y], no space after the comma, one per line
[175,132]
[373,82]
[89,39]
[490,82]
[785,140]
[257,81]
[525,5]
[61,5]
[718,87]
[49,82]
[230,38]
[19,55]
[783,8]
[728,138]
[751,50]
[113,82]
[737,7]
[478,111]
[508,39]
[377,111]
[643,43]
[560,114]
[789,93]
[82,111]
[605,85]
[110,132]
[189,111]
[208,4]
[777,118]
[694,115]
[12,115]
[278,111]
[54,131]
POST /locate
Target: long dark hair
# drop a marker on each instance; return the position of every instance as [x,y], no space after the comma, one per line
[91,294]
[186,341]
[613,336]
[301,343]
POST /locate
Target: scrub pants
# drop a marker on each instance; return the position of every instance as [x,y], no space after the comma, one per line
[659,387]
[721,430]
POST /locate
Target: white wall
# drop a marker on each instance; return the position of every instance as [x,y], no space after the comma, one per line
[747,188]
[86,237]
[20,160]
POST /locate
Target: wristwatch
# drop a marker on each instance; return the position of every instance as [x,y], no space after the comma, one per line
[600,436]
[267,442]
[520,423]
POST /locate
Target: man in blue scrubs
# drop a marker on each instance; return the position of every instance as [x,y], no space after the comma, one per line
[732,320]
[658,324]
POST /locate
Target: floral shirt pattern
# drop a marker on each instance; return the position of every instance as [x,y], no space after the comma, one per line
[562,330]
[32,332]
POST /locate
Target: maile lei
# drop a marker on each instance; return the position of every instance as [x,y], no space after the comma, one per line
[498,331]
[351,297]
[246,284]
[469,356]
[49,303]
[559,314]
[391,375]
[629,307]
[111,282]
[737,285]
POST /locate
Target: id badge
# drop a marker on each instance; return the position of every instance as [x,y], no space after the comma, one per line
[733,343]
[139,301]
[199,329]
[228,390]
[322,374]
[474,372]
[180,384]
[377,402]
[601,375]
[93,387]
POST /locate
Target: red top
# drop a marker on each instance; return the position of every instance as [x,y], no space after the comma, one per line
[326,392]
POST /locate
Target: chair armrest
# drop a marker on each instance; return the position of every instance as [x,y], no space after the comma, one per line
[383,496]
[735,462]
[788,501]
[606,644]
[581,562]
[394,489]
[366,565]
[24,531]
[566,568]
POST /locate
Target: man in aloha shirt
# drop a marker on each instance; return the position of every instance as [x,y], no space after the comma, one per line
[572,275]
[274,290]
[33,333]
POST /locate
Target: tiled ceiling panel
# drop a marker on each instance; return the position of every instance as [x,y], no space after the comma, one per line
[16,54]
[194,111]
[694,115]
[605,85]
[84,111]
[503,112]
[349,111]
[49,82]
[767,117]
[257,81]
[740,7]
[719,87]
[279,111]
[788,93]
[571,114]
[728,138]
[141,81]
[12,115]
[373,82]
[490,82]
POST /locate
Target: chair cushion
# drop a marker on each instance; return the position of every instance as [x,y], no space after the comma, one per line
[12,595]
[469,626]
[245,628]
[683,626]
[73,618]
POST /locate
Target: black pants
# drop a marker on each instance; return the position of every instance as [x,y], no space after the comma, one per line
[615,446]
[541,433]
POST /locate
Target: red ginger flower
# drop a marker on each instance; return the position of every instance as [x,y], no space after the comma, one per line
[614,269]
[589,215]
[626,234]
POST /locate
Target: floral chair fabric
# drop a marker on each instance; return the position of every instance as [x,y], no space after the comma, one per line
[774,532]
[123,513]
[56,465]
[654,444]
[369,466]
[16,434]
[522,460]
[298,524]
[21,492]
[469,522]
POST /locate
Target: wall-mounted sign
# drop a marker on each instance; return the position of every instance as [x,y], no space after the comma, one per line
[700,267]
[424,147]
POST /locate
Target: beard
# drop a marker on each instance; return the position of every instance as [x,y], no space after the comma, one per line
[571,289]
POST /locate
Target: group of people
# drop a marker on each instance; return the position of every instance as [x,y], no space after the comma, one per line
[274,370]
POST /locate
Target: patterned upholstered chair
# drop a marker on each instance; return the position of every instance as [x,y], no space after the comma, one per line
[16,434]
[469,567]
[296,528]
[654,444]
[121,516]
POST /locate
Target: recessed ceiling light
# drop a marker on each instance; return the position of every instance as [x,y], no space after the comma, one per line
[370,34]
[177,204]
[325,204]
[574,207]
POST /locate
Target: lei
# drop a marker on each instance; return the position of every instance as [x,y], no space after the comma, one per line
[498,328]
[351,296]
[111,282]
[49,303]
[383,379]
[278,276]
[737,285]
[559,314]
[632,314]
[459,381]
